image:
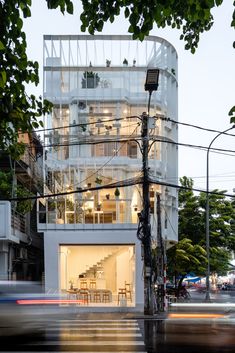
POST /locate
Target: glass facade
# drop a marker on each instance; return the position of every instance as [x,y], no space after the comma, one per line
[93,133]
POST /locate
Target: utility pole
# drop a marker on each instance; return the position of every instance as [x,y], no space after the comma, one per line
[148,297]
[144,229]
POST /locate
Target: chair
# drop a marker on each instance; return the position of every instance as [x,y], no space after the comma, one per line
[97,297]
[84,295]
[121,294]
[128,291]
[106,297]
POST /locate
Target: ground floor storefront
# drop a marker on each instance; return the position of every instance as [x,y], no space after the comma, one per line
[98,274]
[95,268]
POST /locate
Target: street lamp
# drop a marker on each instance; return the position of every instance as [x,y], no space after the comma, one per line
[208,215]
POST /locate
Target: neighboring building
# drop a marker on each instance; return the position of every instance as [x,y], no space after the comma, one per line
[21,247]
[96,84]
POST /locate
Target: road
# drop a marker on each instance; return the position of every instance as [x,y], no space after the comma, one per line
[129,332]
[118,333]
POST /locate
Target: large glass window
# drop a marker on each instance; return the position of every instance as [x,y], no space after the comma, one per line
[98,274]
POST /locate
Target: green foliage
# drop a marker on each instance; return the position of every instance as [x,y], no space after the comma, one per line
[189,254]
[186,257]
[90,79]
[19,191]
[117,192]
[232,113]
[18,111]
[191,16]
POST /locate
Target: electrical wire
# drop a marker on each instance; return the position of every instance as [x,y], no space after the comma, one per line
[80,124]
[108,161]
[123,183]
[161,117]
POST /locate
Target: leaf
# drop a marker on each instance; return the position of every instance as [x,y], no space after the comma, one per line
[3,78]
[70,8]
[127,12]
[232,120]
[2,47]
[232,111]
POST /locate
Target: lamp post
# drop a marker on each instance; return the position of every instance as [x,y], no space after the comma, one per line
[151,84]
[208,214]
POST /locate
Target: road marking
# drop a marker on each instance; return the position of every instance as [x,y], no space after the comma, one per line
[61,335]
[87,343]
[119,329]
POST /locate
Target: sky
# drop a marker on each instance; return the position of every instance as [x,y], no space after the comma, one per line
[206,86]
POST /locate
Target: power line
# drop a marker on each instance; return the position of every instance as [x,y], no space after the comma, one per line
[161,117]
[108,161]
[125,139]
[122,183]
[80,124]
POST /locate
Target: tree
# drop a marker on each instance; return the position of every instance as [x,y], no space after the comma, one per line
[7,190]
[193,17]
[19,112]
[189,254]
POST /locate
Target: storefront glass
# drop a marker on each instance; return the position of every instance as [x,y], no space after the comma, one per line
[98,274]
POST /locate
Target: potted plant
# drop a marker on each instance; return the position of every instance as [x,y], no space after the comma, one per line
[98,180]
[134,62]
[90,79]
[98,207]
[99,123]
[71,284]
[117,192]
[125,62]
[107,196]
[108,63]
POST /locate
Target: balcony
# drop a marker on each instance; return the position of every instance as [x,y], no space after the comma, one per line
[13,225]
[92,209]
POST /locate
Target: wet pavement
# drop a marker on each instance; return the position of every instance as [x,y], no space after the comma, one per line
[131,332]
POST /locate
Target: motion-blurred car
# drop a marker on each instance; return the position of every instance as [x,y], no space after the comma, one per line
[24,308]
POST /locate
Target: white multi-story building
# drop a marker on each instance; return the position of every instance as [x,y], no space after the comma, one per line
[93,139]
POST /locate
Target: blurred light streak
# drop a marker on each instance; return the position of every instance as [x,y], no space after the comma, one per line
[46,302]
[195,316]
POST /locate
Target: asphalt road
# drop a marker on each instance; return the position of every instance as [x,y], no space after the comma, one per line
[131,333]
[108,334]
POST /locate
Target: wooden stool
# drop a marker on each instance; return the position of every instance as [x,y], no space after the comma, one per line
[128,291]
[106,297]
[97,297]
[121,294]
[84,295]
